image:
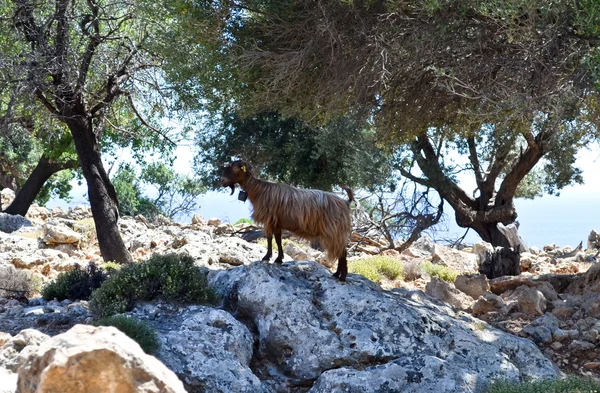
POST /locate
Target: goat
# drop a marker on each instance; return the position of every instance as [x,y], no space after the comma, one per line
[310,214]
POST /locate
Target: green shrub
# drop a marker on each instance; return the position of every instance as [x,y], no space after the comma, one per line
[376,268]
[171,277]
[439,271]
[572,384]
[138,331]
[244,221]
[76,284]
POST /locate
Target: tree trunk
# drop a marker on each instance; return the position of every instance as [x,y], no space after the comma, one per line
[490,233]
[103,198]
[42,172]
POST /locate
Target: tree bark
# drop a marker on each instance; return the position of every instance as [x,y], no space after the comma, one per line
[42,172]
[101,192]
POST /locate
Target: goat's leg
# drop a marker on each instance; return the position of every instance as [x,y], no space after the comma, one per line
[269,248]
[342,269]
[279,247]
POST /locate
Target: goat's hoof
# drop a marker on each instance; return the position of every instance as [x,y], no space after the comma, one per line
[265,259]
[279,261]
[339,276]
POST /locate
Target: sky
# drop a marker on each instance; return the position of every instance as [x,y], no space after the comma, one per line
[564,220]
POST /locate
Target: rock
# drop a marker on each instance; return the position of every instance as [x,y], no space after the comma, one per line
[481,249]
[488,303]
[503,261]
[10,353]
[459,261]
[6,197]
[222,229]
[295,252]
[579,345]
[214,222]
[236,252]
[10,223]
[474,285]
[543,328]
[197,219]
[591,365]
[530,300]
[563,311]
[355,337]
[56,234]
[207,348]
[4,337]
[423,247]
[591,305]
[593,242]
[446,292]
[94,359]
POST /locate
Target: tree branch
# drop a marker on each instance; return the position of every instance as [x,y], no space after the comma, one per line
[145,123]
[40,95]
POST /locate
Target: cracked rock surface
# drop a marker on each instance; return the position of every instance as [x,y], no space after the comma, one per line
[315,334]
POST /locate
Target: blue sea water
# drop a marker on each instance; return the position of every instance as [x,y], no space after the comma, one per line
[564,220]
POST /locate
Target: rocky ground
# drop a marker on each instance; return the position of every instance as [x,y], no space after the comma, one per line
[293,328]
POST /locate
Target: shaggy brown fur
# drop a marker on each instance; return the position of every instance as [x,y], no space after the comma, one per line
[309,214]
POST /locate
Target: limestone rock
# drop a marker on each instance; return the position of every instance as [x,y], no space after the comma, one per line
[6,197]
[488,303]
[10,352]
[530,300]
[354,337]
[56,234]
[207,348]
[474,285]
[481,249]
[447,293]
[90,359]
[295,252]
[10,223]
[197,219]
[214,221]
[459,261]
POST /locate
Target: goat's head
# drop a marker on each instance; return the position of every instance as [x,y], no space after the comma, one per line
[235,172]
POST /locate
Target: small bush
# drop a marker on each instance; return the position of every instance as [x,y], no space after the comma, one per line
[76,284]
[244,221]
[138,331]
[570,384]
[171,277]
[439,271]
[412,269]
[375,268]
[18,283]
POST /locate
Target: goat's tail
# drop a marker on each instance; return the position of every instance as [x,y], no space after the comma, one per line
[350,194]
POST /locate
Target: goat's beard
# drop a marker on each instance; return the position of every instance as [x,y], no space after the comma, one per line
[232,189]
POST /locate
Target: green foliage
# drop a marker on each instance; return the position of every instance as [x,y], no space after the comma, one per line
[171,277]
[138,331]
[571,384]
[340,152]
[175,193]
[77,284]
[377,267]
[244,220]
[439,271]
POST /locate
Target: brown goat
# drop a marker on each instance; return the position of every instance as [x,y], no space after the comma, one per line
[309,214]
